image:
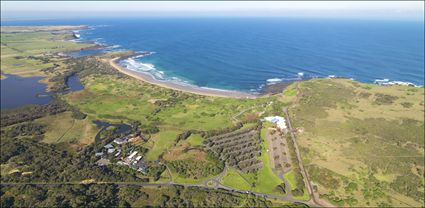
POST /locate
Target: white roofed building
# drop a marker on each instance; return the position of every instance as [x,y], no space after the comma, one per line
[132,155]
[278,120]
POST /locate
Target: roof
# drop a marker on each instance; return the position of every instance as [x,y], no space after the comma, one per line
[278,120]
[109,146]
[132,155]
[121,140]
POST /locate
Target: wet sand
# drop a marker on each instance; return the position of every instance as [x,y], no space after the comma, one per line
[175,86]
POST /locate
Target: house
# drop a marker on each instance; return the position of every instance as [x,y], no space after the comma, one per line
[110,151]
[98,154]
[108,146]
[122,140]
[138,158]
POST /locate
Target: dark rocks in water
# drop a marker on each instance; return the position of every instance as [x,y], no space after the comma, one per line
[275,88]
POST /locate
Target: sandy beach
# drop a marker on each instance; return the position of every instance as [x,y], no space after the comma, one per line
[175,86]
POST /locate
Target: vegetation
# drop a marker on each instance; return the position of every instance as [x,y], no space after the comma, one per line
[238,149]
[32,52]
[97,195]
[360,143]
[31,112]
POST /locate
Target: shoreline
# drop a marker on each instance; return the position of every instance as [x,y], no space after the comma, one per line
[174,86]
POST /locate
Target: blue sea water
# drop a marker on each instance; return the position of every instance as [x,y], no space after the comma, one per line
[247,53]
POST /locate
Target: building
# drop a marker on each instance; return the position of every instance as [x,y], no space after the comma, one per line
[132,155]
[278,120]
[98,154]
[108,146]
[110,151]
[121,140]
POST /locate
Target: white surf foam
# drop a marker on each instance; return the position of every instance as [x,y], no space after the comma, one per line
[274,80]
[387,82]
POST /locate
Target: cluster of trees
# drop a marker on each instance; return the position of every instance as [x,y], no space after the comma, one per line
[155,170]
[85,66]
[183,136]
[195,169]
[324,177]
[410,185]
[49,164]
[31,112]
[196,197]
[109,195]
[60,81]
[25,129]
[70,196]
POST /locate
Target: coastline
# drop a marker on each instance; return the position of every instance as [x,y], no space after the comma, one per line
[174,86]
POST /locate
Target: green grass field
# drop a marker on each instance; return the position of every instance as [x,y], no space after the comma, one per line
[161,142]
[63,128]
[235,180]
[22,53]
[195,140]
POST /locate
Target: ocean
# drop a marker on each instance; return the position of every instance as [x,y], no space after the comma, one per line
[247,54]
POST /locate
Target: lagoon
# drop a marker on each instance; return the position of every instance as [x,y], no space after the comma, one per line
[18,91]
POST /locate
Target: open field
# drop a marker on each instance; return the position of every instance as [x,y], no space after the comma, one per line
[235,180]
[161,142]
[27,51]
[109,98]
[63,128]
[361,142]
